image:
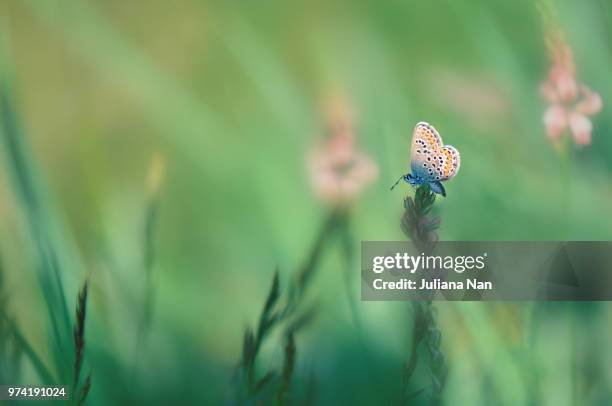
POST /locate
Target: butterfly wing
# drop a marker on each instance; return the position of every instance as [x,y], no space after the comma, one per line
[447,162]
[437,187]
[426,143]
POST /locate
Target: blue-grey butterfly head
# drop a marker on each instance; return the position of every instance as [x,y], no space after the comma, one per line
[416,180]
[409,178]
[413,180]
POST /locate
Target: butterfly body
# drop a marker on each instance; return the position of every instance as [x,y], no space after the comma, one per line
[415,180]
[431,161]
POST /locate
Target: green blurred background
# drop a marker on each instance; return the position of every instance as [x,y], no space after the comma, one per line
[231,97]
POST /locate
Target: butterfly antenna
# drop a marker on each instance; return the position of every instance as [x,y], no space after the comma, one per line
[398,181]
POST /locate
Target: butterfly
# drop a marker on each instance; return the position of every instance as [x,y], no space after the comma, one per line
[431,161]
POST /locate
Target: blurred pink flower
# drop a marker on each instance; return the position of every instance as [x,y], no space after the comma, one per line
[581,128]
[338,171]
[591,102]
[555,121]
[570,103]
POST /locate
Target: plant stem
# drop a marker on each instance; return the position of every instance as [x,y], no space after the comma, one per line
[306,272]
[421,229]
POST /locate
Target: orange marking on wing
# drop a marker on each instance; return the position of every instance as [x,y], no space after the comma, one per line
[447,163]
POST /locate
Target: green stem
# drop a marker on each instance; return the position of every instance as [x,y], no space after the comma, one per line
[348,251]
[307,271]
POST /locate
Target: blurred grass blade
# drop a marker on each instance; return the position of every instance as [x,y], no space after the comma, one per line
[42,371]
[154,182]
[284,389]
[267,318]
[85,389]
[20,167]
[79,335]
